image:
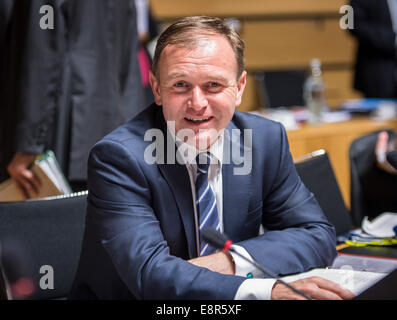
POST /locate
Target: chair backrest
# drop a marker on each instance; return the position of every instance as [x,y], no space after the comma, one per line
[372,191]
[318,176]
[51,231]
[282,88]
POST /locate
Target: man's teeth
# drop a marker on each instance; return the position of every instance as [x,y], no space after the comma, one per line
[197,120]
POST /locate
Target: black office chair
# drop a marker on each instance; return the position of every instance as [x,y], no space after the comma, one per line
[373,191]
[318,176]
[44,233]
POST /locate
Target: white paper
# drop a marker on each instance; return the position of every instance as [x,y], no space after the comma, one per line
[355,281]
[363,263]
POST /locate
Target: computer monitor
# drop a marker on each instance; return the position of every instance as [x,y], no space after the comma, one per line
[280,88]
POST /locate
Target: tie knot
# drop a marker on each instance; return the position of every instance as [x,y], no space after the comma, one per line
[203,161]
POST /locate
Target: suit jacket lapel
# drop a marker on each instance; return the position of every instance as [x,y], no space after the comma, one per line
[178,180]
[235,186]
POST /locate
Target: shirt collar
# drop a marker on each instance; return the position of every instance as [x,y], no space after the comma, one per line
[216,149]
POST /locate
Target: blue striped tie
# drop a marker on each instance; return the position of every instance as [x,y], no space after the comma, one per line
[205,201]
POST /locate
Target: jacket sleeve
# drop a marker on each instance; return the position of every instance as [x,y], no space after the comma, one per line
[120,213]
[298,237]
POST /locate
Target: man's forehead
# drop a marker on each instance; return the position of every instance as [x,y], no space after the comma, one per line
[203,47]
[198,44]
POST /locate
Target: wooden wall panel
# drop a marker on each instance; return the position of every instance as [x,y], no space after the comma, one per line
[293,43]
[169,9]
[250,101]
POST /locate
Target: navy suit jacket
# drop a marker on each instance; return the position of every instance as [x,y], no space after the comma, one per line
[140,221]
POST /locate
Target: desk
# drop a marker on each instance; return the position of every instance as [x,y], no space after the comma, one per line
[371,251]
[335,138]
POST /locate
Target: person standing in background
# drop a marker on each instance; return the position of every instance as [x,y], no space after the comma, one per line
[147,32]
[5,23]
[375,28]
[74,83]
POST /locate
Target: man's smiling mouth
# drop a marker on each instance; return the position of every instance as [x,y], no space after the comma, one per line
[198,120]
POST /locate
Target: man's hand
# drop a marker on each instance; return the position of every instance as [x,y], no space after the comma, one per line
[315,287]
[24,178]
[221,262]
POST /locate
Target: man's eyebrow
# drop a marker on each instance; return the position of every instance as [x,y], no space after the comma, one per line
[174,75]
[181,74]
[218,77]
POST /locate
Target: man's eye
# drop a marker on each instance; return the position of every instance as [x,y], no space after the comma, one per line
[180,84]
[214,87]
[181,87]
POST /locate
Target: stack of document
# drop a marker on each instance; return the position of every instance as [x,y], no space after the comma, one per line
[48,171]
[381,231]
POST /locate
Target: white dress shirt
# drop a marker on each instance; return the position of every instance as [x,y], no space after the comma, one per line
[252,288]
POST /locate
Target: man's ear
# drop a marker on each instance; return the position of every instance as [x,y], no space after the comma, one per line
[154,83]
[242,81]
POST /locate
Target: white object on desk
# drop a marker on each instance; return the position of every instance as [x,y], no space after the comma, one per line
[335,116]
[382,226]
[385,111]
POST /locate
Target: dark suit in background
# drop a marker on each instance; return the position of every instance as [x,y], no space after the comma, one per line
[376,64]
[5,37]
[72,85]
[140,225]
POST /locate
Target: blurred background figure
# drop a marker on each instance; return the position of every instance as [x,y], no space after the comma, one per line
[384,145]
[375,27]
[68,86]
[5,23]
[147,32]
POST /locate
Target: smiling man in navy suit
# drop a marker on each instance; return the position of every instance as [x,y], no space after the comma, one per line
[145,210]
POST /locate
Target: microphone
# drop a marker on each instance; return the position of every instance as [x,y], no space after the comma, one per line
[392,159]
[221,241]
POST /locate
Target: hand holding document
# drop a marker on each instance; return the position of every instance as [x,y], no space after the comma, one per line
[20,171]
[51,181]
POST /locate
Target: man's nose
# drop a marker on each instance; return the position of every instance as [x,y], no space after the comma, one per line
[198,99]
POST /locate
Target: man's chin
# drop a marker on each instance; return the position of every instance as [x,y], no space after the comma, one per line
[201,139]
[205,141]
